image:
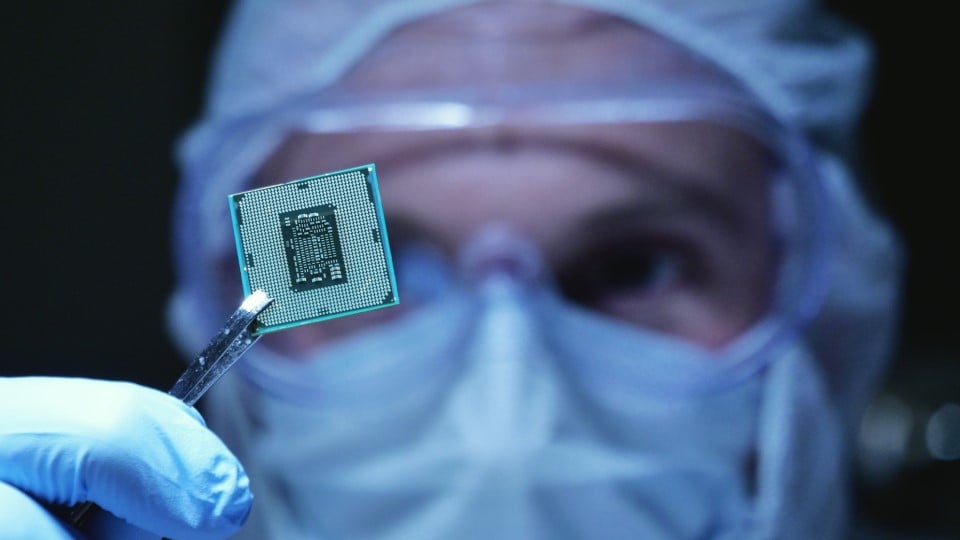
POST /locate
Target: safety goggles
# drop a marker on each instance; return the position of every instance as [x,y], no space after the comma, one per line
[643,268]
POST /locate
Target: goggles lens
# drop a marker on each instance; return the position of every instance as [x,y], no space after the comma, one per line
[697,229]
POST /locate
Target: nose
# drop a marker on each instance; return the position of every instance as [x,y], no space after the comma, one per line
[498,251]
[505,404]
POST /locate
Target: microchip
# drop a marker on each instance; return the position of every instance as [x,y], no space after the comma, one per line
[317,246]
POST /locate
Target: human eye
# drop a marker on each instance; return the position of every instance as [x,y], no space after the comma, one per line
[628,276]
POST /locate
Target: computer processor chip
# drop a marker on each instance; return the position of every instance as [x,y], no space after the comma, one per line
[317,246]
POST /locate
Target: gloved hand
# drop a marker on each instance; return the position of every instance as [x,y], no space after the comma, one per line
[140,454]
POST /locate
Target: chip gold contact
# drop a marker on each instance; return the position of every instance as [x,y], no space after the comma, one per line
[317,246]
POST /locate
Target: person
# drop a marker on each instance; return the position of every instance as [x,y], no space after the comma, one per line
[640,295]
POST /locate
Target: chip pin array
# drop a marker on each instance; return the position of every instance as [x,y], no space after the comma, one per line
[317,246]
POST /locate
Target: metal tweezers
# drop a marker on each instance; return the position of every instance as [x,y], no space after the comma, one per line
[223,351]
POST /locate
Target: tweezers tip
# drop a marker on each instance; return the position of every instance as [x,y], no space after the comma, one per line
[256,301]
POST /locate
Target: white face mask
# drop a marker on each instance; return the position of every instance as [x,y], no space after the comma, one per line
[500,411]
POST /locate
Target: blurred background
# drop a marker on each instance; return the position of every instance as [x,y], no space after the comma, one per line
[94,95]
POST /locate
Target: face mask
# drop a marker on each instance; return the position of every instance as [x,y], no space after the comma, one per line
[500,411]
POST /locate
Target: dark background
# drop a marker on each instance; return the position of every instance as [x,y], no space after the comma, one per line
[95,93]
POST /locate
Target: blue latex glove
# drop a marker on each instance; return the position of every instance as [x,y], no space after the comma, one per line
[140,454]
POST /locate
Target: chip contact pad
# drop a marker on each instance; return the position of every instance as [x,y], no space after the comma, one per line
[312,244]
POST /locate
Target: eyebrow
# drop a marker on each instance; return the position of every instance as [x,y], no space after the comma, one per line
[643,218]
[675,195]
[678,202]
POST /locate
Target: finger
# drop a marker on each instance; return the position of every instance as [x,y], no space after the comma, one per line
[21,517]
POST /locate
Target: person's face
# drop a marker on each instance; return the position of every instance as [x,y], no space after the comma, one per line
[666,226]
